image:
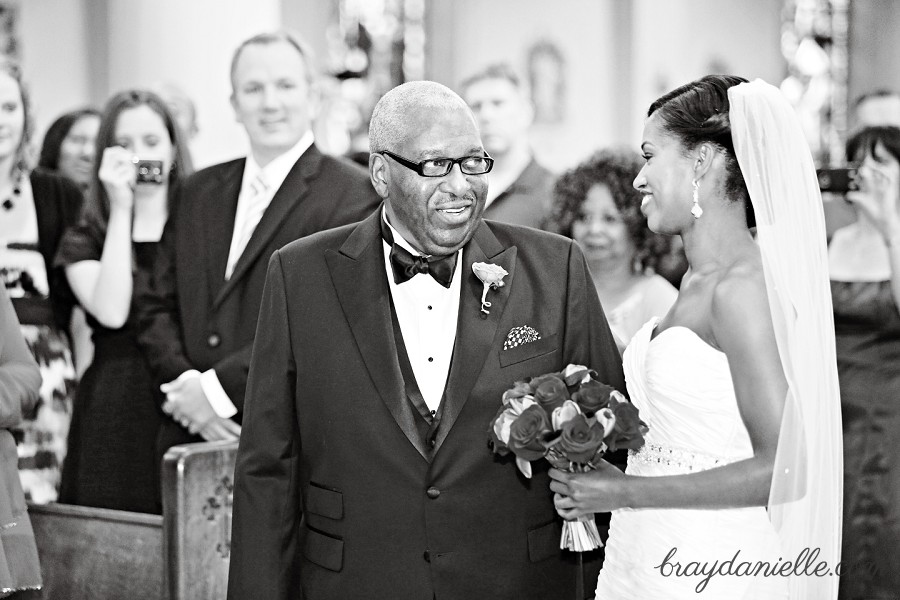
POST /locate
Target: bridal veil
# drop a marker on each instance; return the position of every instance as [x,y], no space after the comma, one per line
[806,494]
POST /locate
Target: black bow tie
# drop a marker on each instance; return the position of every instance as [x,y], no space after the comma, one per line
[406,265]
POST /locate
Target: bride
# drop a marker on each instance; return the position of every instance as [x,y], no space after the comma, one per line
[737,490]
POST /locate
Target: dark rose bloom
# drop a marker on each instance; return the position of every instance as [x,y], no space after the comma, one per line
[628,431]
[527,433]
[592,396]
[520,389]
[580,441]
[550,392]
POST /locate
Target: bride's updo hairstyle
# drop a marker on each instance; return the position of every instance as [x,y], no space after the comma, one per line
[697,112]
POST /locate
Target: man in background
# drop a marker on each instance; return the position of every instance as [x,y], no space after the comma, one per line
[198,308]
[521,189]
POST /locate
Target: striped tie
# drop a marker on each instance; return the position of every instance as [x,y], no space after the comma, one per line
[256,206]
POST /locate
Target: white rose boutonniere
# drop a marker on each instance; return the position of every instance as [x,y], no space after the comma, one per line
[491,276]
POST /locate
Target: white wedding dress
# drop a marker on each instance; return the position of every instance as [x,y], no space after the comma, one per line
[683,389]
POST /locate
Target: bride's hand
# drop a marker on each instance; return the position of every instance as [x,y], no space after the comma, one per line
[579,494]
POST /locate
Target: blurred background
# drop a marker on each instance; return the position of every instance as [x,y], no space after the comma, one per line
[592,66]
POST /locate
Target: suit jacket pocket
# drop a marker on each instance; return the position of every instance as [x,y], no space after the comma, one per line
[530,350]
[324,550]
[324,502]
[543,541]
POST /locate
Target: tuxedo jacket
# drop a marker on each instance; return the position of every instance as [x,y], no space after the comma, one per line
[189,316]
[337,495]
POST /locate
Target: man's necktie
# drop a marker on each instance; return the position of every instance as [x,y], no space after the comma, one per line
[255,209]
[406,265]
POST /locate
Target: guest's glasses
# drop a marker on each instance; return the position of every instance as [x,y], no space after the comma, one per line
[438,167]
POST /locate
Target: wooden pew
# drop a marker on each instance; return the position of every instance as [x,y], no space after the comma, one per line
[197,483]
[100,554]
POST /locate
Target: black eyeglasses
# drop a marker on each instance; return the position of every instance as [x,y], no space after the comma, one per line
[438,167]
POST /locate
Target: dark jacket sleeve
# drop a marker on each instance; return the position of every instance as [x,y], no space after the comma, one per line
[357,201]
[58,205]
[589,340]
[232,372]
[266,493]
[20,379]
[156,303]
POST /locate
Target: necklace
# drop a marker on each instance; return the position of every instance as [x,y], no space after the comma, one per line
[10,202]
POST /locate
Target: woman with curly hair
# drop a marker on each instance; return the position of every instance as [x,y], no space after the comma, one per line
[596,205]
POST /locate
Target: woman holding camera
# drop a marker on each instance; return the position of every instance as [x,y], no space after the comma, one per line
[864,263]
[112,456]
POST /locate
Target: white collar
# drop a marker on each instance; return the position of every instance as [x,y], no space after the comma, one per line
[277,171]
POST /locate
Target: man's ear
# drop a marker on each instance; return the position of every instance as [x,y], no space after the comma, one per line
[234,106]
[378,173]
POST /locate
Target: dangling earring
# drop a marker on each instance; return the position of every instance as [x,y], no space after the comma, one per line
[696,210]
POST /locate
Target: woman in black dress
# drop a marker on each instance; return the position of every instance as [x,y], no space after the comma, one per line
[112,444]
[864,264]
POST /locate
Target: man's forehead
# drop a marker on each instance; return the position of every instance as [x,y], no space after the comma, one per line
[491,86]
[434,131]
[278,55]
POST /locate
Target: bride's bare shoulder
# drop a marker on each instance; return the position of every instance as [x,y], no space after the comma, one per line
[739,300]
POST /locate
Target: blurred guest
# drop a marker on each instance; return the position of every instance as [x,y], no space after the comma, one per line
[877,108]
[20,381]
[864,265]
[68,149]
[35,209]
[199,308]
[112,444]
[880,107]
[596,205]
[521,189]
[181,107]
[68,146]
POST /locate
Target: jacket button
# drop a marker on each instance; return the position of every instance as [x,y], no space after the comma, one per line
[433,493]
[427,556]
[213,340]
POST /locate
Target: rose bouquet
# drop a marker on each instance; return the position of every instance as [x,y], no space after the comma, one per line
[571,419]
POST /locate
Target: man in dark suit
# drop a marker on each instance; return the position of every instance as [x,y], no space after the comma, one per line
[364,470]
[198,309]
[521,189]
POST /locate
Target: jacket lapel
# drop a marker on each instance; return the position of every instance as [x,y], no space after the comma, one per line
[358,275]
[283,202]
[475,331]
[221,205]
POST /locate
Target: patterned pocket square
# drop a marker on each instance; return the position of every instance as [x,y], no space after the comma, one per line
[520,335]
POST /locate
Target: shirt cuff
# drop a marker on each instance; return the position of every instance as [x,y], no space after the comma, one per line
[216,394]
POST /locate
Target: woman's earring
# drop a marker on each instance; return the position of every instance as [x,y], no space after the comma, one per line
[696,210]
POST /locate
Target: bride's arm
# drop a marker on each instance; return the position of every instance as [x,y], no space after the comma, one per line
[742,326]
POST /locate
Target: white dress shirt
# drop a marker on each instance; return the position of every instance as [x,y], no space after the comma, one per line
[274,175]
[250,206]
[427,313]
